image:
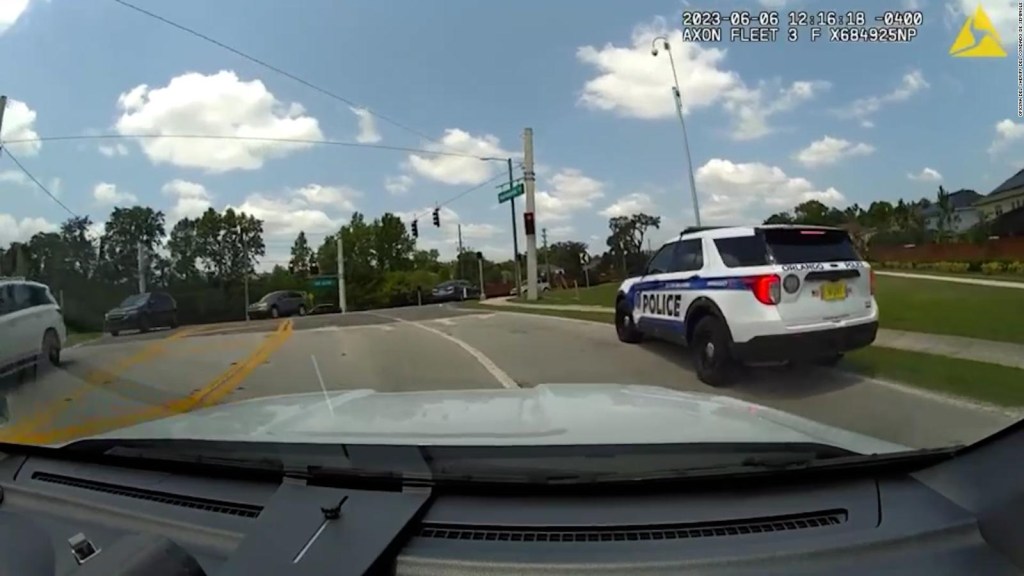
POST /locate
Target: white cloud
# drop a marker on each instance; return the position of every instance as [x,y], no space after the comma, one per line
[56,185]
[368,133]
[398,184]
[1008,133]
[1002,13]
[14,177]
[459,170]
[10,12]
[633,83]
[566,192]
[738,193]
[190,200]
[629,204]
[926,175]
[299,210]
[911,83]
[106,193]
[341,197]
[14,230]
[830,150]
[19,124]
[113,150]
[220,105]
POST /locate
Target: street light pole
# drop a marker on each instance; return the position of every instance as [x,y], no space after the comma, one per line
[678,97]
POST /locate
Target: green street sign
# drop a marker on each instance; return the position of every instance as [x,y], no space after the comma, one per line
[324,281]
[506,195]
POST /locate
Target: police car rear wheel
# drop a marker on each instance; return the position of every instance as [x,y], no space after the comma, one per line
[625,327]
[710,348]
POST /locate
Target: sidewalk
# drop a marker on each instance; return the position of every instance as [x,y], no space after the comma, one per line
[988,351]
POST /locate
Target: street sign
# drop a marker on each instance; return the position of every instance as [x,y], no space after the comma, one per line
[324,281]
[510,193]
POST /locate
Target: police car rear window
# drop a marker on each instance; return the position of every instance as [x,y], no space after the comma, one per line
[742,251]
[798,245]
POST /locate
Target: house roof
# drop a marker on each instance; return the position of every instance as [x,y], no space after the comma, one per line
[959,200]
[1010,187]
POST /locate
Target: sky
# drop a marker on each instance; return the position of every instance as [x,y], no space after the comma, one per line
[769,124]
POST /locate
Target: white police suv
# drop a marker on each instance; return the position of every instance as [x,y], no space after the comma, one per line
[32,328]
[753,295]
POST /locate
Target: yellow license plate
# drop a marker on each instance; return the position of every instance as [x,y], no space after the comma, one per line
[833,291]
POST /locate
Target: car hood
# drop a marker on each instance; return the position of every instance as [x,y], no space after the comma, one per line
[552,414]
[123,310]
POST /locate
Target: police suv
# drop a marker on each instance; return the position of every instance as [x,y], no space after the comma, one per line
[760,294]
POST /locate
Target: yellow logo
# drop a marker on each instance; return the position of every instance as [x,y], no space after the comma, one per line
[977,38]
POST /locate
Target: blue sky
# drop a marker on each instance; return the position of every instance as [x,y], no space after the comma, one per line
[769,124]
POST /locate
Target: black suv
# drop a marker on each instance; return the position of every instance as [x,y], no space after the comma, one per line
[142,312]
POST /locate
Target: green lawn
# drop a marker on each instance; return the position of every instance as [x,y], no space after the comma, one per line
[79,337]
[974,275]
[980,381]
[985,312]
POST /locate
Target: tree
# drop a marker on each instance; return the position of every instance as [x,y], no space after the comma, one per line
[79,249]
[301,255]
[183,245]
[126,229]
[626,240]
[393,245]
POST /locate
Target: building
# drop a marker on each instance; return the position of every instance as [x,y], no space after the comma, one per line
[965,212]
[1006,197]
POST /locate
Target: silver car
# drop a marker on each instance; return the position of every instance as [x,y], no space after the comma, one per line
[280,303]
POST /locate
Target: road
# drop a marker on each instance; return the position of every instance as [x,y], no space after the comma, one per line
[114,382]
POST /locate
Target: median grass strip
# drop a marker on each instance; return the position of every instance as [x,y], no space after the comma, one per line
[933,306]
[990,383]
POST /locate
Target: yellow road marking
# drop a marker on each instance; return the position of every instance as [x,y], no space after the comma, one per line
[50,410]
[208,395]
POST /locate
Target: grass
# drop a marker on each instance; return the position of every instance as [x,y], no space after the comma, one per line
[979,381]
[985,312]
[79,337]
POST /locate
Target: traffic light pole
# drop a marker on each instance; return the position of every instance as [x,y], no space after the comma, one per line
[515,234]
[341,272]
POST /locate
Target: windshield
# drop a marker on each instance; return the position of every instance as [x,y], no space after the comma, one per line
[630,225]
[133,300]
[270,297]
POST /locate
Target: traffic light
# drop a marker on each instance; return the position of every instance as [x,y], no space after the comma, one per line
[314,266]
[479,255]
[437,217]
[528,223]
[415,229]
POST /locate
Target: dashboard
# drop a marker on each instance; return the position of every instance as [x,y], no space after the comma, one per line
[960,516]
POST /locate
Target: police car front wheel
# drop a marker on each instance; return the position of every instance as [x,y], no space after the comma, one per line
[625,327]
[712,359]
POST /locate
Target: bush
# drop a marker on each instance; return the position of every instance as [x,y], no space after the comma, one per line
[992,268]
[957,267]
[1015,267]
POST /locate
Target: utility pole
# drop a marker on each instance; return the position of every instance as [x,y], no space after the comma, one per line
[3,105]
[461,271]
[515,234]
[547,256]
[142,267]
[529,181]
[341,272]
[248,265]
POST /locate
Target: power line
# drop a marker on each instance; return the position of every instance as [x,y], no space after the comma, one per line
[461,194]
[37,182]
[313,142]
[273,68]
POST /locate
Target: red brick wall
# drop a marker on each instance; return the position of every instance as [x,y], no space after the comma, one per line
[1003,249]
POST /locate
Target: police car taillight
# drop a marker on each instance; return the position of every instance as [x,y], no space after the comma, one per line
[767,289]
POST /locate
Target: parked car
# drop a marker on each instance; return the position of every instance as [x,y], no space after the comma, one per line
[324,309]
[542,286]
[142,312]
[278,304]
[31,326]
[454,291]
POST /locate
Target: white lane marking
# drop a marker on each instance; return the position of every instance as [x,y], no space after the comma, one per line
[445,321]
[500,375]
[948,399]
[341,328]
[320,378]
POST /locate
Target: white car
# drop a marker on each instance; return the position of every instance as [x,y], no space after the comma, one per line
[753,295]
[542,286]
[32,328]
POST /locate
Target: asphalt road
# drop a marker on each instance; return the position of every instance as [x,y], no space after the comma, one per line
[114,382]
